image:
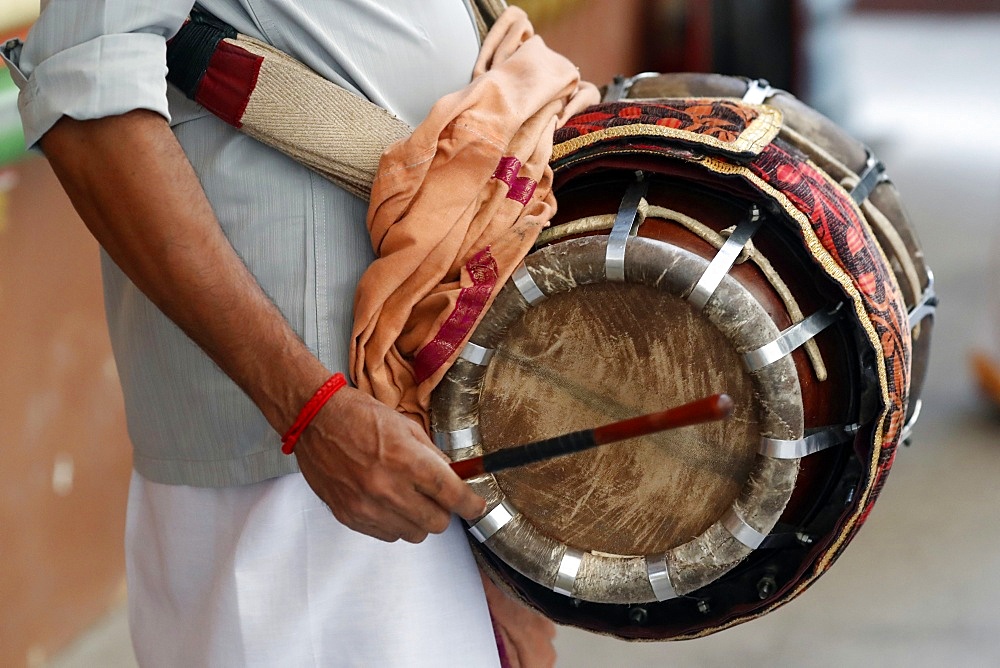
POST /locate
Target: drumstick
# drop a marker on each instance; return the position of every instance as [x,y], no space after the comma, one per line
[707,409]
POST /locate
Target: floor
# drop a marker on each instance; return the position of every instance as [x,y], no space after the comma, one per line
[920,585]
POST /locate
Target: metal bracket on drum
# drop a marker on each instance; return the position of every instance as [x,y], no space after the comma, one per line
[493,521]
[569,566]
[725,259]
[790,339]
[476,354]
[659,578]
[620,86]
[626,223]
[927,304]
[907,431]
[526,285]
[758,91]
[869,179]
[815,442]
[742,531]
[457,440]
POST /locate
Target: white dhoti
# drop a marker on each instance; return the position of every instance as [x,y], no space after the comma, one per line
[264,575]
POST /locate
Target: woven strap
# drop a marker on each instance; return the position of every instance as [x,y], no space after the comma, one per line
[280,102]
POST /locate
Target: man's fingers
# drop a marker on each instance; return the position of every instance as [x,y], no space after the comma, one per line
[390,528]
[452,493]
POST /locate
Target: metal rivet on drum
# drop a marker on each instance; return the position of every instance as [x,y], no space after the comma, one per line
[766,586]
[724,259]
[638,615]
[703,606]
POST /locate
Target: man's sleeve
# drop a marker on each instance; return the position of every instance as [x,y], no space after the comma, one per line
[89,60]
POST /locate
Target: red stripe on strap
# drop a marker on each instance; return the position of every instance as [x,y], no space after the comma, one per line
[228,82]
[520,188]
[471,301]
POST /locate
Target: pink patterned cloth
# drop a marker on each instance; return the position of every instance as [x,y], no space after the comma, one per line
[454,208]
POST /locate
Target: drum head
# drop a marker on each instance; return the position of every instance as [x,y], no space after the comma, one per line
[604,353]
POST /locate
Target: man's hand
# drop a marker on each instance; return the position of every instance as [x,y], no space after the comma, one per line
[379,473]
[527,635]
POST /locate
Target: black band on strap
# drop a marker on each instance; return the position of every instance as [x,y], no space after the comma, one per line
[191,49]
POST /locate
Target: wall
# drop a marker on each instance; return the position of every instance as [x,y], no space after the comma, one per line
[65,466]
[600,36]
[64,473]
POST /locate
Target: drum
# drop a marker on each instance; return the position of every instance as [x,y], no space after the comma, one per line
[713,235]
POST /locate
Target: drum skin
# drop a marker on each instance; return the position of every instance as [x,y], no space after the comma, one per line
[637,539]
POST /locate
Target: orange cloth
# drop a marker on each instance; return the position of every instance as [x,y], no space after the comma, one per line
[454,208]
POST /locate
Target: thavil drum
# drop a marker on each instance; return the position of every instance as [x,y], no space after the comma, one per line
[713,235]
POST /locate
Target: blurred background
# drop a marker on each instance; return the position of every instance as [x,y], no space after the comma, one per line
[920,586]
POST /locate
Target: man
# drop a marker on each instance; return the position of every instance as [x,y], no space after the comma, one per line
[209,237]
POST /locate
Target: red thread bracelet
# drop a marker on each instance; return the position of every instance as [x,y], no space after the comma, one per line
[309,411]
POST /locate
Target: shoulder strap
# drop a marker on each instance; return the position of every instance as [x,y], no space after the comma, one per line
[249,84]
[252,86]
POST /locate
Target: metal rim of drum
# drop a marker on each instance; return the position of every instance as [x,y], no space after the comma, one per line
[599,577]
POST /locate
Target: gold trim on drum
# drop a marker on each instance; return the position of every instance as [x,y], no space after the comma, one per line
[758,133]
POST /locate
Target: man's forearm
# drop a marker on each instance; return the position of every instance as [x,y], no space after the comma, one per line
[135,190]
